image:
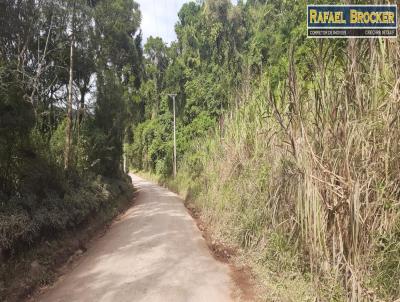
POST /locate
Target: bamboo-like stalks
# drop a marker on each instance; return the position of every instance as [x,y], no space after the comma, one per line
[331,150]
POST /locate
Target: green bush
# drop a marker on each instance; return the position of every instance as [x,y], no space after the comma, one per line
[26,219]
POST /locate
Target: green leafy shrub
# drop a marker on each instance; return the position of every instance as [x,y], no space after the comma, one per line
[25,220]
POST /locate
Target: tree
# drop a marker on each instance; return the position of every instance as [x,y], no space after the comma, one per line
[68,141]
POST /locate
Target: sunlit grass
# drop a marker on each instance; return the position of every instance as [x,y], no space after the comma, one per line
[305,179]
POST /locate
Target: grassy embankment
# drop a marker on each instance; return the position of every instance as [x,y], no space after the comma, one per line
[305,179]
[39,235]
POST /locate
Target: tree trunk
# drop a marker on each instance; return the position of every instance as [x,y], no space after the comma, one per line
[68,138]
[81,111]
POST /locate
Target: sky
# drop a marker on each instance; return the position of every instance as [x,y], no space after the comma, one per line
[159,18]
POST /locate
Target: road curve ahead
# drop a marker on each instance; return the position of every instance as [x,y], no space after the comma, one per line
[154,253]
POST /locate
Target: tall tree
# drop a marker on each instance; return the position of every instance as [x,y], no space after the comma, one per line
[68,139]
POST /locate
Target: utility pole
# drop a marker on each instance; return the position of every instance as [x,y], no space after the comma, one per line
[173,99]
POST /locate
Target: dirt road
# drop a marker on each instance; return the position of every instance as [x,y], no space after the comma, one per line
[154,252]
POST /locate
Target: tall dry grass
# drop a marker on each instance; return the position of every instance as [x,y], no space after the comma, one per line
[306,175]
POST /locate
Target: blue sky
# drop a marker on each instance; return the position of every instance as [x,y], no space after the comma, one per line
[159,18]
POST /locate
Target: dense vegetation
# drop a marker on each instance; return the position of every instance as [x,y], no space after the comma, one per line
[67,72]
[288,145]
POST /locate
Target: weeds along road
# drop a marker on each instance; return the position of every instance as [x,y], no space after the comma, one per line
[154,252]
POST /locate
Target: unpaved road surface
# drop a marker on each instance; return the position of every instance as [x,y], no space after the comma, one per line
[154,252]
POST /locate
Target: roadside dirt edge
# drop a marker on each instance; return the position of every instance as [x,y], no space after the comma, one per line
[74,246]
[242,276]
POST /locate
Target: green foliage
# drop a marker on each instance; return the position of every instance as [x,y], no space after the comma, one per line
[16,121]
[57,143]
[287,144]
[152,144]
[25,219]
[202,67]
[39,196]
